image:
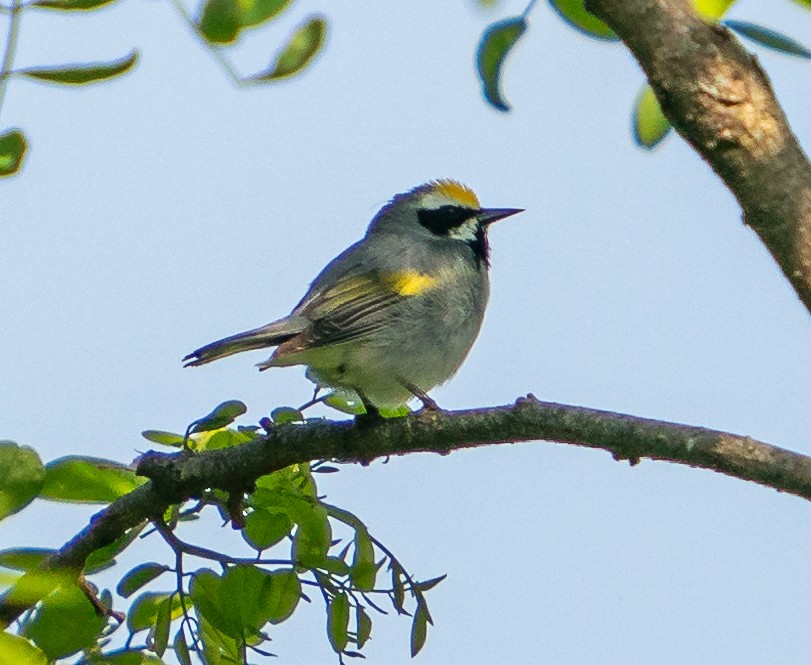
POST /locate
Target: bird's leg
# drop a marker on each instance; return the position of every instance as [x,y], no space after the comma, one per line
[428,404]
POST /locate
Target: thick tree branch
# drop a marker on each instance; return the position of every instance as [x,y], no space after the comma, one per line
[177,477]
[718,98]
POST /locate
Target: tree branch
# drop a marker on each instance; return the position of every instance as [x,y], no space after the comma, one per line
[178,477]
[719,99]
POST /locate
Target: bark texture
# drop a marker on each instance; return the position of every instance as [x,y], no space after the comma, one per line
[716,95]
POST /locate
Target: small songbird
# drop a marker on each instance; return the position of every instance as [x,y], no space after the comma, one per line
[396,313]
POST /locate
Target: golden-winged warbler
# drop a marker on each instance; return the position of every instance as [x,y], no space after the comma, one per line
[395,314]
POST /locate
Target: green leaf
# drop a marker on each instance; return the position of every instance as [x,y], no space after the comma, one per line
[286,414]
[338,622]
[576,15]
[181,648]
[163,620]
[139,576]
[398,589]
[496,43]
[364,626]
[713,9]
[245,598]
[21,476]
[265,528]
[364,570]
[79,74]
[16,650]
[66,606]
[345,516]
[163,438]
[144,610]
[30,588]
[254,12]
[301,48]
[104,557]
[313,536]
[348,402]
[12,151]
[220,21]
[419,629]
[24,558]
[324,582]
[128,657]
[804,3]
[88,480]
[769,38]
[218,648]
[396,412]
[335,565]
[242,592]
[222,416]
[222,438]
[341,401]
[207,599]
[281,595]
[294,479]
[430,584]
[71,5]
[7,579]
[650,125]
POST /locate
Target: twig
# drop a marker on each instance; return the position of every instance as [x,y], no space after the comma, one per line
[183,547]
[528,9]
[187,620]
[99,607]
[224,62]
[11,46]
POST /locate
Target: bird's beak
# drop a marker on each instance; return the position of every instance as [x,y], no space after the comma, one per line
[489,215]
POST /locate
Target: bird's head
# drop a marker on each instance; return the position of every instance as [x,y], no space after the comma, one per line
[441,209]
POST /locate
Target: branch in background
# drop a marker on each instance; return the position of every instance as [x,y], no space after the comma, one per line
[719,99]
[178,477]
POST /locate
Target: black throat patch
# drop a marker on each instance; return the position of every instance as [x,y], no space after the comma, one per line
[480,246]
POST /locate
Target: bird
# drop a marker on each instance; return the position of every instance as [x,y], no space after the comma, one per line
[395,314]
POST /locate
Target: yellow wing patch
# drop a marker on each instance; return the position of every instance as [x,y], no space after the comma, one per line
[456,190]
[410,283]
[361,290]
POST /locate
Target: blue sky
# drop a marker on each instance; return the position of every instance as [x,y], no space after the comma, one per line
[167,209]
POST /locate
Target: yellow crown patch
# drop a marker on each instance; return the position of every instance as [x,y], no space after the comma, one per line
[456,190]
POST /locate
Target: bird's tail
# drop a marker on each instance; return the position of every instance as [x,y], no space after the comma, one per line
[272,334]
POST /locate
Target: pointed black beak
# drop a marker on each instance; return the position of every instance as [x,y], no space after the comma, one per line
[489,215]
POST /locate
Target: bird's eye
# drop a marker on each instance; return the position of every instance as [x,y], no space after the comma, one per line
[444,219]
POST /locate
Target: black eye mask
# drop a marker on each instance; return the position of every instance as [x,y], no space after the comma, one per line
[444,219]
[441,221]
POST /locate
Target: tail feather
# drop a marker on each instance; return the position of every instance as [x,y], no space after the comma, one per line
[272,334]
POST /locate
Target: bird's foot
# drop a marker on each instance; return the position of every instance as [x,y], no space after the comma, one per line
[371,416]
[428,404]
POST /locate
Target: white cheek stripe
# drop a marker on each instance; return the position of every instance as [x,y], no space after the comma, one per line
[466,232]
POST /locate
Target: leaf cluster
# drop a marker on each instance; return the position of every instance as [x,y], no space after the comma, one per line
[649,124]
[202,605]
[219,23]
